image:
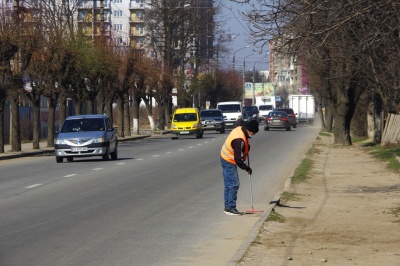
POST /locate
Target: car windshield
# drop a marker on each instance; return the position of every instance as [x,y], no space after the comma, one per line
[250,109]
[281,114]
[187,117]
[84,124]
[265,107]
[229,108]
[210,114]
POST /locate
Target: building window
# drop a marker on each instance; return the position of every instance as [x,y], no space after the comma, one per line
[118,13]
[117,1]
[118,27]
[139,29]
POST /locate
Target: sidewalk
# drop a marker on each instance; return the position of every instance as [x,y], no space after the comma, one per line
[346,213]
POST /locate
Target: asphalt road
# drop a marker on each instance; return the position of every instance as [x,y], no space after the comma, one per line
[160,203]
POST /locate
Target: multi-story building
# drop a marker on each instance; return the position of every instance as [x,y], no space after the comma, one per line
[287,73]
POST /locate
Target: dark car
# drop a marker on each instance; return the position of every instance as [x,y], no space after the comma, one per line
[212,119]
[292,116]
[84,136]
[250,113]
[277,119]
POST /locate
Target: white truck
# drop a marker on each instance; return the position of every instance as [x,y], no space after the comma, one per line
[231,111]
[304,106]
[265,105]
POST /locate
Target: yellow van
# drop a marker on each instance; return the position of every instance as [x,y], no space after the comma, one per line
[186,121]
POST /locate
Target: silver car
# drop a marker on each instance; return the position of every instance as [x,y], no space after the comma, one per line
[84,136]
[212,119]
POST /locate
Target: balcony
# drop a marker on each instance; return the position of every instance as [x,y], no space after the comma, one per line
[134,18]
[134,5]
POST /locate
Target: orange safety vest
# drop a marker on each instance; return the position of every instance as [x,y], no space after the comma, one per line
[227,152]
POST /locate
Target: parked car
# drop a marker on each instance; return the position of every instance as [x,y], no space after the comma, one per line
[292,116]
[186,121]
[277,119]
[84,136]
[212,119]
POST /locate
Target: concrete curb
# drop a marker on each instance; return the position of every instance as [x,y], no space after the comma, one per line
[241,251]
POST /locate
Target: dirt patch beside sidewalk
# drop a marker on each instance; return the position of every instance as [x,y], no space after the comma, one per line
[346,213]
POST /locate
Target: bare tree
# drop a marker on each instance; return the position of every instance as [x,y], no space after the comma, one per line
[337,36]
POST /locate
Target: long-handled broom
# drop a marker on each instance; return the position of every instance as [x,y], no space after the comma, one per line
[251,191]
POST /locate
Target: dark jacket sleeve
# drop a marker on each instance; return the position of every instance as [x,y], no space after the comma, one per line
[238,146]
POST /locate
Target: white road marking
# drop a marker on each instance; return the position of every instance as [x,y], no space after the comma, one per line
[139,159]
[97,169]
[168,152]
[181,149]
[190,147]
[155,155]
[120,163]
[70,175]
[32,186]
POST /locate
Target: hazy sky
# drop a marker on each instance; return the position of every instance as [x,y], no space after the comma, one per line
[235,25]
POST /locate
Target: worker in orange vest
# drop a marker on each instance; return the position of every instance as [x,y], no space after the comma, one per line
[234,154]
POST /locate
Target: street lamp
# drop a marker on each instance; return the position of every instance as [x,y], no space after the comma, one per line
[233,61]
[244,70]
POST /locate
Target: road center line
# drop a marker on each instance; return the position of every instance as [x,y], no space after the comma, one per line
[97,169]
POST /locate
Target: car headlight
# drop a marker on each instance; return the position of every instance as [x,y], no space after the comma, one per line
[195,125]
[173,126]
[99,140]
[60,141]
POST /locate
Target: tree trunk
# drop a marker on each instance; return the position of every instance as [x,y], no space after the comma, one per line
[108,108]
[89,106]
[36,124]
[51,119]
[329,117]
[127,119]
[15,127]
[136,120]
[343,115]
[78,107]
[377,118]
[63,108]
[161,113]
[120,112]
[2,102]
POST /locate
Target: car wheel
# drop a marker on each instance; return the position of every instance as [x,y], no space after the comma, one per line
[288,128]
[105,156]
[222,131]
[70,159]
[114,154]
[294,126]
[174,136]
[59,159]
[266,128]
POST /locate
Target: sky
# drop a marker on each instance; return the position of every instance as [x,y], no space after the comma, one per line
[234,24]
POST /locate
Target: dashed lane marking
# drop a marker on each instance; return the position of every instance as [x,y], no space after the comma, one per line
[70,175]
[32,186]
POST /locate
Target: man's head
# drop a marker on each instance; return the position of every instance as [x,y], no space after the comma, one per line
[252,127]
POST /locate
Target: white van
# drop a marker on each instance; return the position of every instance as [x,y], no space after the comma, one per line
[231,111]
